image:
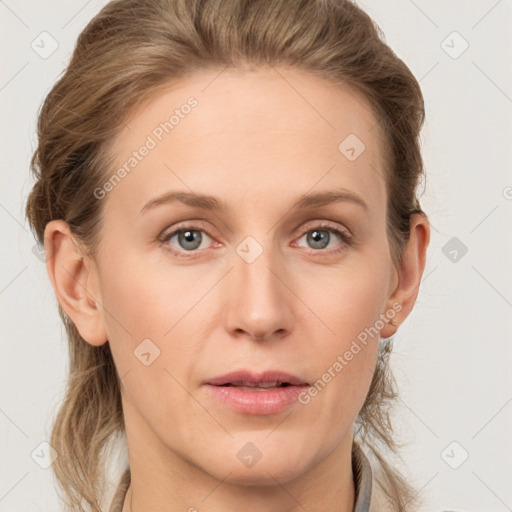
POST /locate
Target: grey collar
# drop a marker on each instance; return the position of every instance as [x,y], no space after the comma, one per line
[362,479]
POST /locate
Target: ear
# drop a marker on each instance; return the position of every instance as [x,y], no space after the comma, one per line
[74,279]
[412,264]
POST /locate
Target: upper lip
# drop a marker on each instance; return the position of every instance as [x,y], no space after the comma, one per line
[254,378]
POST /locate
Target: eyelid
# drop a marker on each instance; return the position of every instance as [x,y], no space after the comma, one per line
[322,224]
[195,225]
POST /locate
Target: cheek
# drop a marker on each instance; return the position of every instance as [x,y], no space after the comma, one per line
[151,315]
[350,301]
[346,354]
[142,300]
[148,319]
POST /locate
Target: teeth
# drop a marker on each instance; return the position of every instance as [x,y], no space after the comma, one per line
[258,384]
[268,384]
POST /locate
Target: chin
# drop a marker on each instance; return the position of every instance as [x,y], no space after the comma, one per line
[261,462]
[263,473]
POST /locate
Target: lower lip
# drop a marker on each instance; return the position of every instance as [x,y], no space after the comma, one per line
[259,401]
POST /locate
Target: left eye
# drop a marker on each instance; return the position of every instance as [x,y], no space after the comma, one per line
[320,237]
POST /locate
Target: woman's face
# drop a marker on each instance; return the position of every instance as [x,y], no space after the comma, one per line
[260,282]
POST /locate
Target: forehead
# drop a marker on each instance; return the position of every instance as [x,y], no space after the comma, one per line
[264,131]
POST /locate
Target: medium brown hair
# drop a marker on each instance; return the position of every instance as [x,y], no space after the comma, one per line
[128,52]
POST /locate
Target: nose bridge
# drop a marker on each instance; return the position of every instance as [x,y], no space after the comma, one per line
[259,302]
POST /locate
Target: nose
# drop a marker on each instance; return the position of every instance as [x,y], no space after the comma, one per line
[260,304]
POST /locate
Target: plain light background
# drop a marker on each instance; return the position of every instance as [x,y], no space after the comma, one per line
[451,357]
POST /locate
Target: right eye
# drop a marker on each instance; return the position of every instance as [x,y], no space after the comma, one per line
[187,239]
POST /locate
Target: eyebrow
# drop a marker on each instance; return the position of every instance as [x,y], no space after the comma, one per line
[211,203]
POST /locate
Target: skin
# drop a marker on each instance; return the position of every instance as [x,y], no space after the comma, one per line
[256,143]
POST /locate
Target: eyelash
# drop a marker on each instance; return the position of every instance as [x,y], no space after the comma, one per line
[345,236]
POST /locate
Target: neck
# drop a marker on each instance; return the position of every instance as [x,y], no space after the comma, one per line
[164,481]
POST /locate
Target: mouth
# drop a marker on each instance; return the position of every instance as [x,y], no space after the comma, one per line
[264,393]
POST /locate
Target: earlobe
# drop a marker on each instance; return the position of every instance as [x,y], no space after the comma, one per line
[73,277]
[412,265]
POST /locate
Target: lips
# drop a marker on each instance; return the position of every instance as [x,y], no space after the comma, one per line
[246,392]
